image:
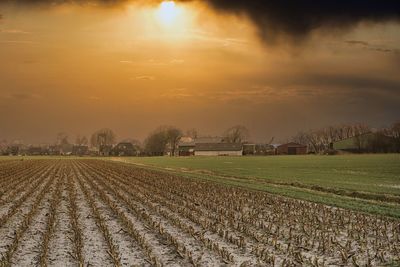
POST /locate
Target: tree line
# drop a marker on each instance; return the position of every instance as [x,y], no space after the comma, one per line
[165,139]
[382,140]
[162,140]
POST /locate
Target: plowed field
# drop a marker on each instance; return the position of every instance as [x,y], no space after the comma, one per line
[73,212]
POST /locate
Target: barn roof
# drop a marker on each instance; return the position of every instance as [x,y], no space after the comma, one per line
[187,144]
[208,140]
[219,147]
[292,144]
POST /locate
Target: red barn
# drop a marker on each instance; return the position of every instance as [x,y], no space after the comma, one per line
[291,149]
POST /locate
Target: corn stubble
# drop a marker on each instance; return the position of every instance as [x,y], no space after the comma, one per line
[177,221]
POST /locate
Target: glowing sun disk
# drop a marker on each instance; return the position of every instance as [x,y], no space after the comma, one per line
[168,12]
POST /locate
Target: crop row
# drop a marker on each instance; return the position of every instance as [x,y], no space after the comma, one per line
[172,220]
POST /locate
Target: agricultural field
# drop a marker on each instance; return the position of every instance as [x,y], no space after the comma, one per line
[368,183]
[88,212]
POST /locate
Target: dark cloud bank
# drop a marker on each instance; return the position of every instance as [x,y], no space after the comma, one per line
[286,18]
[298,18]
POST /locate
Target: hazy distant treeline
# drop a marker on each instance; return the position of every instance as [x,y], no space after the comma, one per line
[320,140]
[165,139]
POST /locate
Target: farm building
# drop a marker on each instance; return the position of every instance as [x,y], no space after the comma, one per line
[124,149]
[105,150]
[249,149]
[291,149]
[259,149]
[35,151]
[218,149]
[186,148]
[54,150]
[80,150]
[209,140]
[13,150]
[66,149]
[208,146]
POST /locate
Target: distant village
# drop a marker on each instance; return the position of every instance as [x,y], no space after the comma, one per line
[170,141]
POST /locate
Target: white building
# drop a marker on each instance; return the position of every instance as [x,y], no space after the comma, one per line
[218,149]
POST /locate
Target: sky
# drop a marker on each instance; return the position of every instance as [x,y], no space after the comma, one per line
[276,67]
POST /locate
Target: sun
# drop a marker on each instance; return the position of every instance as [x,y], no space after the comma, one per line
[168,13]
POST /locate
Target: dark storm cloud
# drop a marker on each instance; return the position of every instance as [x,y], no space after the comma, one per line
[285,18]
[298,18]
[51,3]
[56,2]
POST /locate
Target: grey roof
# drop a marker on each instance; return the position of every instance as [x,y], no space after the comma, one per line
[219,147]
[184,144]
[276,145]
[208,140]
[293,144]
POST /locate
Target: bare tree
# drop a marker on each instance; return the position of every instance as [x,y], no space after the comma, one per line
[63,143]
[394,132]
[236,134]
[162,139]
[3,146]
[320,140]
[102,137]
[314,140]
[360,140]
[301,138]
[271,140]
[136,143]
[192,133]
[62,139]
[133,141]
[156,142]
[81,140]
[173,136]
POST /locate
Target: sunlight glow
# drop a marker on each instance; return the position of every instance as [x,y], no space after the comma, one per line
[168,13]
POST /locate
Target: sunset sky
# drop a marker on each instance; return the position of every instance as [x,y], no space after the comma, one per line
[77,66]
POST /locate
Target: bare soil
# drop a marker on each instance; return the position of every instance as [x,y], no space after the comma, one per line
[129,216]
